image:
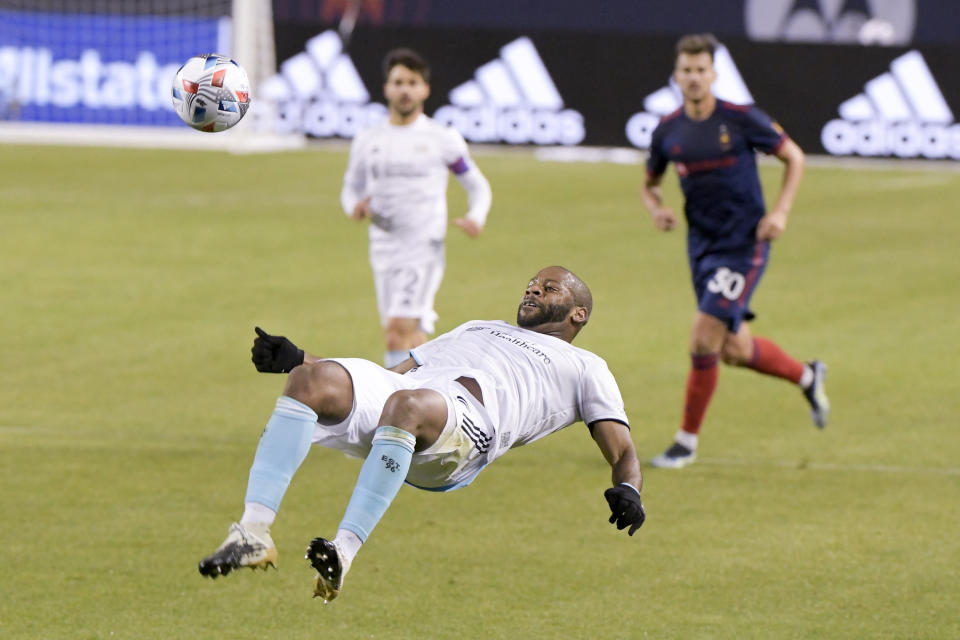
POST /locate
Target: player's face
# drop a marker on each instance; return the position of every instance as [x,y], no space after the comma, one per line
[405,90]
[547,299]
[694,73]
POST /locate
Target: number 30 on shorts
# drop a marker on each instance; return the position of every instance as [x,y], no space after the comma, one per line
[727,283]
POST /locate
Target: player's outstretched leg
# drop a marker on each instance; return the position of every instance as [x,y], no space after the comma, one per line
[765,356]
[422,415]
[246,546]
[381,477]
[331,564]
[816,394]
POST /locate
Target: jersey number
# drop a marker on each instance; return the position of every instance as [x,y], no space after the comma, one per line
[729,284]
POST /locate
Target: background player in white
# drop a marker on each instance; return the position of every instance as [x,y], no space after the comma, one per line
[397,177]
[436,420]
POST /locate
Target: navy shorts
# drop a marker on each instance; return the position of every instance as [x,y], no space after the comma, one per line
[725,282]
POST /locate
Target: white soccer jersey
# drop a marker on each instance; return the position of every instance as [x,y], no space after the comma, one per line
[533,384]
[403,169]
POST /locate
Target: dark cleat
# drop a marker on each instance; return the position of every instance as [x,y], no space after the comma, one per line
[325,556]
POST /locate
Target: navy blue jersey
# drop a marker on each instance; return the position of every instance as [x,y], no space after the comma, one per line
[715,159]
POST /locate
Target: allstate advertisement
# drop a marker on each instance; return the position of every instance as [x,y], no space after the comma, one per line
[98,68]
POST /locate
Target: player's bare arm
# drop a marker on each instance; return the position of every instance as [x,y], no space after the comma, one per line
[664,218]
[772,225]
[623,498]
[615,443]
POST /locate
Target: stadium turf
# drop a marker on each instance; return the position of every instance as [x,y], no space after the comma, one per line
[130,283]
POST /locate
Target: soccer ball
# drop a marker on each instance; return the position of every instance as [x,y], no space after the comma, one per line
[211,92]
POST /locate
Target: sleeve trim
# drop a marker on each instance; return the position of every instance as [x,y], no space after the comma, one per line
[593,422]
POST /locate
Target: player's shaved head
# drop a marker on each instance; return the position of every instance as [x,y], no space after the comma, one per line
[581,292]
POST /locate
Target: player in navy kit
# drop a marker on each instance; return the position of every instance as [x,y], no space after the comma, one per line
[712,144]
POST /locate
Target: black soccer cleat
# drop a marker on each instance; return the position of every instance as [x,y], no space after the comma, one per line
[242,548]
[324,556]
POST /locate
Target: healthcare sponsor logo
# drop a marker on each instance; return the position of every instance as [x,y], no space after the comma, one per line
[728,86]
[899,113]
[532,347]
[885,22]
[319,92]
[512,99]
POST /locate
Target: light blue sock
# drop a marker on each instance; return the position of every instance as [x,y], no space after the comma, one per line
[381,476]
[393,358]
[283,446]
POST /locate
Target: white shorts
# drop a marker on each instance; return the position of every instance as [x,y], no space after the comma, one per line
[465,446]
[406,290]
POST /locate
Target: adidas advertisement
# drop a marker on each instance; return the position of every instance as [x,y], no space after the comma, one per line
[81,68]
[512,99]
[319,92]
[838,100]
[901,113]
[608,89]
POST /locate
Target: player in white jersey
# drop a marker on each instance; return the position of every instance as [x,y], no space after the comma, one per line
[435,421]
[397,177]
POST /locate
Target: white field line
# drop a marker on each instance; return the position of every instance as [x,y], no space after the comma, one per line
[803,465]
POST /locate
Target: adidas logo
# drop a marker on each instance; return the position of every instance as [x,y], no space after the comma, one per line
[728,86]
[319,92]
[901,113]
[512,99]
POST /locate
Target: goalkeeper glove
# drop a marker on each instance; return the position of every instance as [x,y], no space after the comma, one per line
[274,354]
[626,507]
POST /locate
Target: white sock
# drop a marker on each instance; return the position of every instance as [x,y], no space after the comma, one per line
[256,512]
[807,378]
[687,439]
[349,543]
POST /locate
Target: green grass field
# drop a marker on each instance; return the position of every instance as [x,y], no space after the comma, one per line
[130,282]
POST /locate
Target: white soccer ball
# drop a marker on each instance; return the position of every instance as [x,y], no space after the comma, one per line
[211,92]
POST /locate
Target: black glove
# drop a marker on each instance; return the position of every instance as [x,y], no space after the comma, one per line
[626,506]
[274,354]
